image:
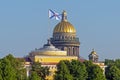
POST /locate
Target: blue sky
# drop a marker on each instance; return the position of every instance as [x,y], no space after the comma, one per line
[24,25]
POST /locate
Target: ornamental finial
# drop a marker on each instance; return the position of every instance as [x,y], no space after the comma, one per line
[93,49]
[64,15]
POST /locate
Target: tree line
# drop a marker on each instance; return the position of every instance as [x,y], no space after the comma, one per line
[76,70]
[12,68]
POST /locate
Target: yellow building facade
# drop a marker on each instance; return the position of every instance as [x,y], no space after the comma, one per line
[53,59]
[51,62]
[49,56]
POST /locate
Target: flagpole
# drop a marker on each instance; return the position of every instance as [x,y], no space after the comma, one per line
[48,26]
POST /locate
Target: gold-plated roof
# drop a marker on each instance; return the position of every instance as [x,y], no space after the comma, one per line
[93,52]
[64,27]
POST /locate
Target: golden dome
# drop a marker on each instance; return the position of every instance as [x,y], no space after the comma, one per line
[64,27]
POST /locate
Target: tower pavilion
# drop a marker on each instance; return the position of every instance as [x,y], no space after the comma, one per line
[64,37]
[93,56]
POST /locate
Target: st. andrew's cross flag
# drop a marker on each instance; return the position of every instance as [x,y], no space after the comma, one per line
[54,15]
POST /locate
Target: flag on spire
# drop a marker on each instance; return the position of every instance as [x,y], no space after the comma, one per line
[54,15]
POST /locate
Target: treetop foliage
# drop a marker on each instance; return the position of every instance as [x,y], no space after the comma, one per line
[76,70]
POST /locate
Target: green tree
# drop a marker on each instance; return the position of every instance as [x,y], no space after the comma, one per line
[34,76]
[8,71]
[78,70]
[11,68]
[62,72]
[112,73]
[1,70]
[74,70]
[117,63]
[94,71]
[88,65]
[109,62]
[41,71]
[97,73]
[45,72]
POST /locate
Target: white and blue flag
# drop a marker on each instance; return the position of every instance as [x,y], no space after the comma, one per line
[54,15]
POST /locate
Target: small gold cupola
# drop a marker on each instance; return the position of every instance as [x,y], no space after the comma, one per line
[93,56]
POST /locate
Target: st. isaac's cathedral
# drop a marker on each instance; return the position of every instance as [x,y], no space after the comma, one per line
[64,37]
[63,45]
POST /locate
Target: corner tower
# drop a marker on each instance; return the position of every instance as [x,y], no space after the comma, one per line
[64,37]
